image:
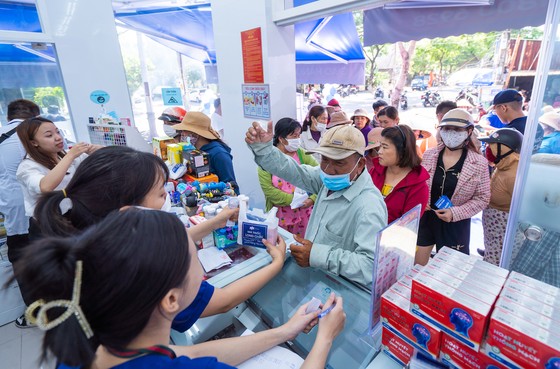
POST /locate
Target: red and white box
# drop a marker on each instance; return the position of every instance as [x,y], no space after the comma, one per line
[467,262]
[529,315]
[535,284]
[208,240]
[457,355]
[396,348]
[396,316]
[526,290]
[402,290]
[514,340]
[458,313]
[454,277]
[531,303]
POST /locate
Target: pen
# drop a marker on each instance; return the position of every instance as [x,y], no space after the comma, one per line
[322,314]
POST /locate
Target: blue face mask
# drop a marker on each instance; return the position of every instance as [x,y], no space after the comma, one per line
[337,182]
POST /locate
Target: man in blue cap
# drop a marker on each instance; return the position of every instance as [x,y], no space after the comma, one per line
[508,106]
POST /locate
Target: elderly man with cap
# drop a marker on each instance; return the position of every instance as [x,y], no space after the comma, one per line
[551,124]
[508,105]
[349,210]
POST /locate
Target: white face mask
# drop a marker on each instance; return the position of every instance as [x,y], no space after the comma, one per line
[169,131]
[321,127]
[166,204]
[293,144]
[453,139]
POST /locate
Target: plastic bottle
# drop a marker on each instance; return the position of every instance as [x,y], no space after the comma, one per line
[233,203]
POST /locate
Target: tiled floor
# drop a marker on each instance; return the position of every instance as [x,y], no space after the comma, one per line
[20,348]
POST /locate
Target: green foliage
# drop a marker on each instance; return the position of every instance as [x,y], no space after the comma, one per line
[373,76]
[133,73]
[528,33]
[45,96]
[194,77]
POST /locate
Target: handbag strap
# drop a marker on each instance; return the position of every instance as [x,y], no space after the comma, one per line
[7,135]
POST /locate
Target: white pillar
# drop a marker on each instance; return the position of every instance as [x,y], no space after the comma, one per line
[89,56]
[229,19]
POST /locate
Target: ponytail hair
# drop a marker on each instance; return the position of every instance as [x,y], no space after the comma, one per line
[127,271]
[107,180]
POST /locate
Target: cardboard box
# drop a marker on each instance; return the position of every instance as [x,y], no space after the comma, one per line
[512,339]
[534,284]
[527,314]
[455,278]
[467,262]
[159,146]
[454,311]
[208,240]
[396,317]
[457,355]
[396,348]
[198,163]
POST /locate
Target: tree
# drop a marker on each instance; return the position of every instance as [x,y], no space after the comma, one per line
[406,55]
[133,73]
[371,52]
[46,96]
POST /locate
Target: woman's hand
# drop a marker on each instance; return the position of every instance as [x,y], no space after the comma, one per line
[331,324]
[444,214]
[256,134]
[94,148]
[78,149]
[223,216]
[300,322]
[307,204]
[278,251]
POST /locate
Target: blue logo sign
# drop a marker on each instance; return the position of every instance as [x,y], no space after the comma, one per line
[99,97]
[172,96]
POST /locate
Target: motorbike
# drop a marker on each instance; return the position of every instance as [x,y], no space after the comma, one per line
[468,94]
[379,93]
[343,90]
[404,101]
[430,98]
[353,90]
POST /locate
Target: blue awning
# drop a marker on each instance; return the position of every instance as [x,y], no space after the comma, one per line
[327,50]
[16,16]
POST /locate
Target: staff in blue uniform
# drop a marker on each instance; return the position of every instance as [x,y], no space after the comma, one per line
[107,299]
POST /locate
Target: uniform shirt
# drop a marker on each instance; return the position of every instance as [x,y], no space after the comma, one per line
[29,175]
[163,362]
[309,143]
[11,196]
[343,224]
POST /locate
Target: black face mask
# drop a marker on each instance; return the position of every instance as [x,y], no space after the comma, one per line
[499,155]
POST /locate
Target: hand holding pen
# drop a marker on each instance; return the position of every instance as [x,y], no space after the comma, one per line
[331,318]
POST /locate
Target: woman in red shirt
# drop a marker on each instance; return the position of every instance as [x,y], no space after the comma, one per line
[397,172]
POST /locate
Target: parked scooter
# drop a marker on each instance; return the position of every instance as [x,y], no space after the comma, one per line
[342,90]
[353,90]
[430,98]
[469,94]
[404,101]
[379,93]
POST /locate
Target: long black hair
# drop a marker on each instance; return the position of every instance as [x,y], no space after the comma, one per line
[127,271]
[107,180]
[315,112]
[283,128]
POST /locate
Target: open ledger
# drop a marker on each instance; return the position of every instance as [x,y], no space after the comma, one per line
[277,358]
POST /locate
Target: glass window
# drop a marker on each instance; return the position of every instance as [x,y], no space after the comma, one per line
[21,16]
[534,244]
[30,71]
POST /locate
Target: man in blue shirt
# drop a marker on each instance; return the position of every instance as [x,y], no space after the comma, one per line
[508,106]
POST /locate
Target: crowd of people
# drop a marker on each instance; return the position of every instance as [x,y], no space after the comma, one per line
[82,223]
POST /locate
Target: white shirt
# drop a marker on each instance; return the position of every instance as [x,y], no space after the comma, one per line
[218,124]
[308,143]
[11,197]
[29,175]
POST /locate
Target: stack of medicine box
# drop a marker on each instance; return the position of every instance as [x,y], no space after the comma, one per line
[402,331]
[524,330]
[454,295]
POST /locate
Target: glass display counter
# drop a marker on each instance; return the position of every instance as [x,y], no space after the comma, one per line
[294,286]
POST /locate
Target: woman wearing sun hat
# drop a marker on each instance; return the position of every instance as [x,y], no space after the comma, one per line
[361,121]
[551,124]
[424,138]
[197,126]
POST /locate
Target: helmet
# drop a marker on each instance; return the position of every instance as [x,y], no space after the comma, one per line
[457,118]
[509,137]
[173,115]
